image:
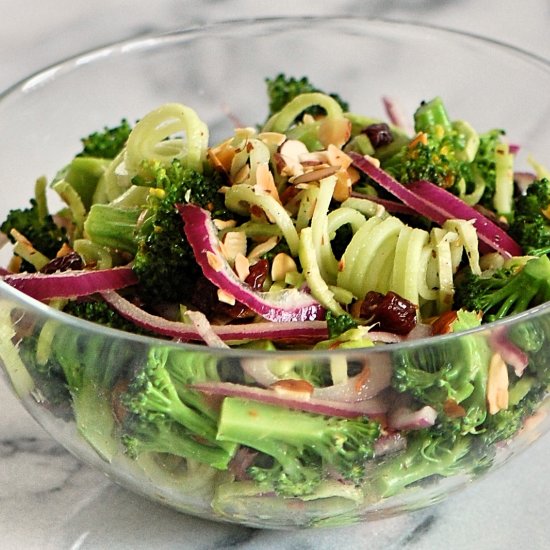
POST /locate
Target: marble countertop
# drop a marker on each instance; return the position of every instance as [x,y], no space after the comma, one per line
[49,500]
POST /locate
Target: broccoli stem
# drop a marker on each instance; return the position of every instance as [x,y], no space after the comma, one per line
[113,226]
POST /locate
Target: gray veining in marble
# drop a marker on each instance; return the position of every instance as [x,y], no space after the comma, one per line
[49,500]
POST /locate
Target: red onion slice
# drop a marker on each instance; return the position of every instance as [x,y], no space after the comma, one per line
[488,232]
[510,353]
[403,418]
[372,407]
[439,205]
[307,331]
[282,306]
[375,377]
[70,284]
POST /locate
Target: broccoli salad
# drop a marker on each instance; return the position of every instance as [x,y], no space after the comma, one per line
[318,229]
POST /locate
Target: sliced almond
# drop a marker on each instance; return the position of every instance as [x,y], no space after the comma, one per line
[224,224]
[337,157]
[214,261]
[314,158]
[314,175]
[222,156]
[342,189]
[225,297]
[272,139]
[288,159]
[497,384]
[265,184]
[335,131]
[242,266]
[300,389]
[241,175]
[262,248]
[234,243]
[281,265]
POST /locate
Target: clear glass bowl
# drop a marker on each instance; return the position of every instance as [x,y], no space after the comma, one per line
[219,71]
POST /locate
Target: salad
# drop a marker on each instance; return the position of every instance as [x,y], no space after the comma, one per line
[319,229]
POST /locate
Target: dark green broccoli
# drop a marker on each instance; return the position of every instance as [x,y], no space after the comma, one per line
[303,446]
[107,143]
[452,155]
[158,419]
[427,455]
[507,291]
[37,226]
[98,311]
[153,234]
[450,376]
[531,226]
[282,89]
[338,324]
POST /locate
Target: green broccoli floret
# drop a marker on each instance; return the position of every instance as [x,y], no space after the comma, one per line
[338,324]
[37,226]
[282,89]
[531,225]
[303,446]
[509,290]
[153,233]
[449,374]
[427,455]
[107,143]
[159,420]
[524,397]
[98,311]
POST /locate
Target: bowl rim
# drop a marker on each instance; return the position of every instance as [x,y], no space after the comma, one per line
[148,40]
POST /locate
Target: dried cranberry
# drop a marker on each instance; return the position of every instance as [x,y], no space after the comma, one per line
[390,311]
[63,263]
[379,134]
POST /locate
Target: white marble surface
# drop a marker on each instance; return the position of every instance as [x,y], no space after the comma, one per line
[48,500]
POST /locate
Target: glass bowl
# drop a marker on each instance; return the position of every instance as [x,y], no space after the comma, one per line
[219,71]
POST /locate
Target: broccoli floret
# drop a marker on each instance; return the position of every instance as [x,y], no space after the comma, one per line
[531,225]
[338,324]
[98,311]
[449,376]
[427,455]
[525,395]
[303,446]
[37,226]
[159,420]
[282,89]
[106,143]
[507,291]
[154,234]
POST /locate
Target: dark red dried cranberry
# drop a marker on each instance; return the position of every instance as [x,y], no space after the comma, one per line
[390,311]
[379,134]
[63,263]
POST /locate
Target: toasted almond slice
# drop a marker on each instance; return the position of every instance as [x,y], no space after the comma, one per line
[64,251]
[222,156]
[281,265]
[300,389]
[234,242]
[225,297]
[224,224]
[314,175]
[314,158]
[262,248]
[214,261]
[335,131]
[265,184]
[337,157]
[272,138]
[342,189]
[241,175]
[497,384]
[242,266]
[288,157]
[354,174]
